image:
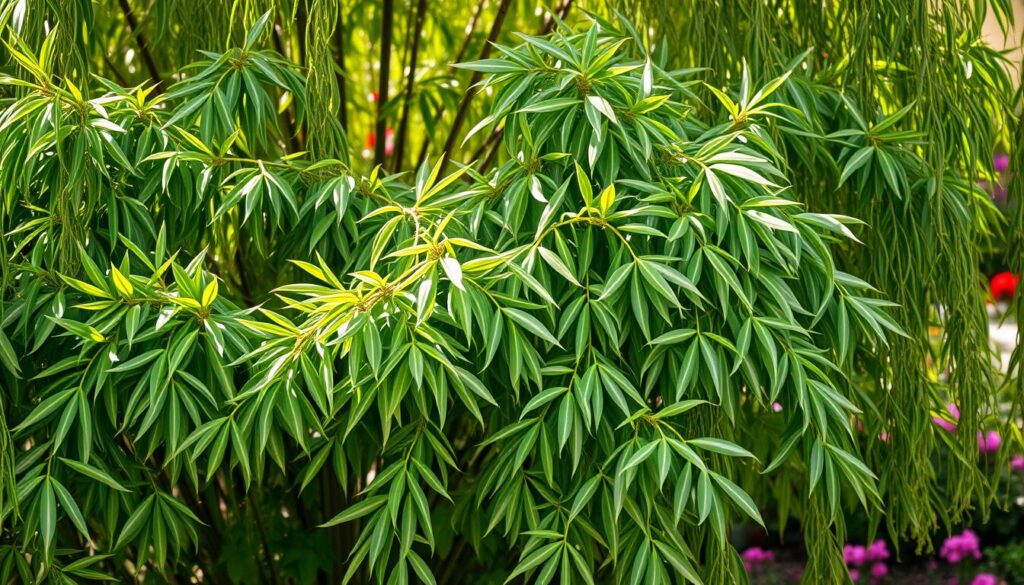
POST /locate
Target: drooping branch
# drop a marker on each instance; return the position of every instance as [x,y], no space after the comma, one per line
[324,131]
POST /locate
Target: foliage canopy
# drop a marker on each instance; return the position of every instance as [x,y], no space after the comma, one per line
[629,308]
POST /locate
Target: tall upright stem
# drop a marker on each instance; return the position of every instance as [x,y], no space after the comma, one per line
[410,80]
[470,27]
[387,20]
[339,45]
[471,91]
[140,40]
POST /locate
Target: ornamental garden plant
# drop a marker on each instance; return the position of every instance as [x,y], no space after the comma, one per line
[573,295]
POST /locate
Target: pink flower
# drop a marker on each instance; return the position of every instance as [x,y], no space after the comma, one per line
[855,554]
[879,570]
[985,579]
[878,551]
[1000,162]
[949,426]
[755,557]
[1017,463]
[776,407]
[854,575]
[989,442]
[961,546]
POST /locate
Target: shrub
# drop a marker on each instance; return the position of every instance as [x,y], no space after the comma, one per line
[581,359]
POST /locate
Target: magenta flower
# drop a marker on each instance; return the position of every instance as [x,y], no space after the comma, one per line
[878,551]
[985,579]
[879,570]
[1001,162]
[961,546]
[855,554]
[948,425]
[756,557]
[989,442]
[854,575]
[1017,463]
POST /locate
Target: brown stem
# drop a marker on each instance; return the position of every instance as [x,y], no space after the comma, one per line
[254,503]
[140,40]
[301,21]
[469,31]
[458,58]
[114,70]
[380,139]
[293,133]
[417,32]
[243,275]
[212,542]
[334,501]
[491,154]
[549,20]
[339,44]
[471,91]
[451,562]
[495,135]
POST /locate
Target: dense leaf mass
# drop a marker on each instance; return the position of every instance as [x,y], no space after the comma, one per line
[580,360]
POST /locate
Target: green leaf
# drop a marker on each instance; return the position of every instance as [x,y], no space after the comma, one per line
[138,519]
[531,324]
[534,559]
[357,510]
[94,473]
[583,496]
[721,446]
[586,191]
[739,497]
[47,517]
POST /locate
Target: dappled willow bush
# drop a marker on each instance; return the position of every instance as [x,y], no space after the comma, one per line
[573,365]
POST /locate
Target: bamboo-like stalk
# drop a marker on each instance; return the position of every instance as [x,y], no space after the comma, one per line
[410,81]
[339,47]
[549,17]
[471,89]
[459,56]
[140,40]
[387,23]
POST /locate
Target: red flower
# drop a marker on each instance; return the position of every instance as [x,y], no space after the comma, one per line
[389,141]
[1003,285]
